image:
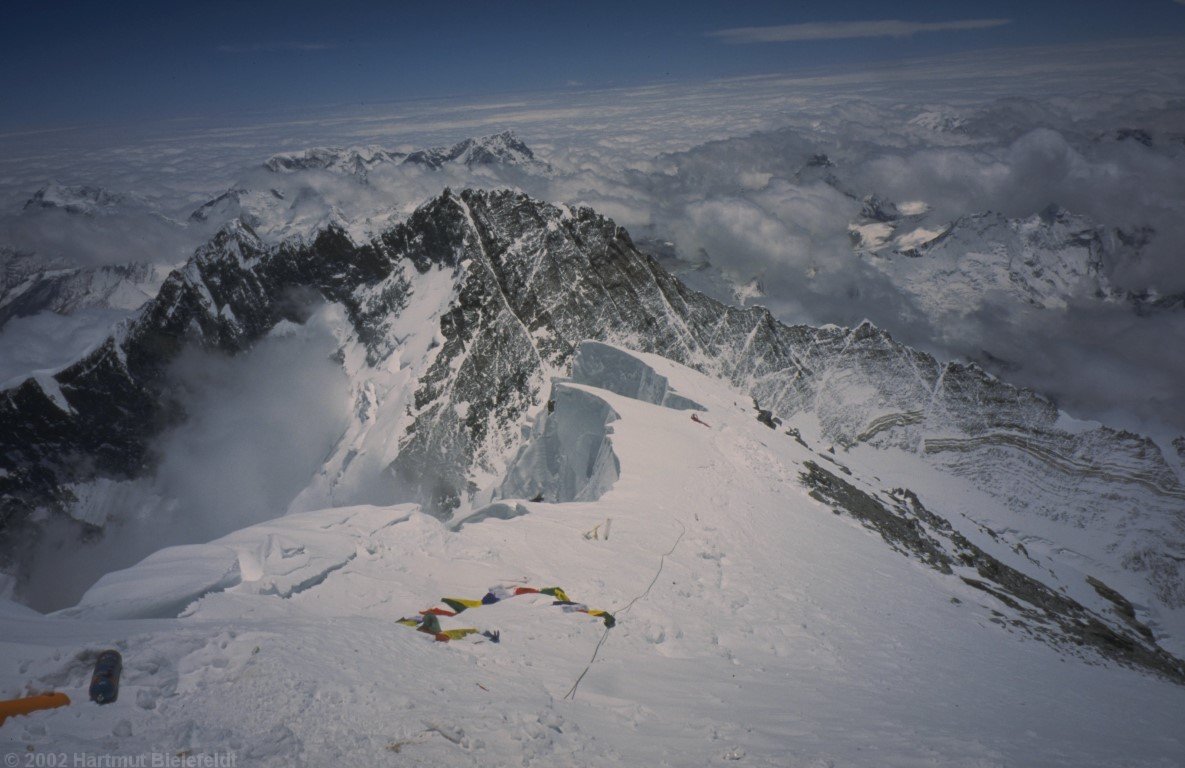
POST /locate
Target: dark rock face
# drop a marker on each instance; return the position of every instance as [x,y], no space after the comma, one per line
[766,417]
[113,402]
[529,281]
[229,201]
[876,208]
[908,527]
[1138,135]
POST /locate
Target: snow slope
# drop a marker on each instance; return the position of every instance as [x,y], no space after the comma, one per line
[459,316]
[31,284]
[756,624]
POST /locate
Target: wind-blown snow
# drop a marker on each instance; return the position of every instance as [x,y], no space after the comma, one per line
[258,430]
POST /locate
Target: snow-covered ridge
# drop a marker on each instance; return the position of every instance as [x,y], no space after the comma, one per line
[284,558]
[82,199]
[938,122]
[504,149]
[767,593]
[498,149]
[297,194]
[458,318]
[570,455]
[30,284]
[350,160]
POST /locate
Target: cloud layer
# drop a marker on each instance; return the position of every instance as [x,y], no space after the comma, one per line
[721,170]
[258,427]
[844,30]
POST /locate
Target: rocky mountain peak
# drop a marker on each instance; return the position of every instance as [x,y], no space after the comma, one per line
[82,199]
[355,161]
[284,201]
[457,318]
[500,149]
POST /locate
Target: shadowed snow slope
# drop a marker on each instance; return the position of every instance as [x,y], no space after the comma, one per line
[798,618]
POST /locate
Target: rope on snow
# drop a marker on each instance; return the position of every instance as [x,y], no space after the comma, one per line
[571,694]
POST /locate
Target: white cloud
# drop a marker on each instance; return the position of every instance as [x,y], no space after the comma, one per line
[258,426]
[842,30]
[1025,136]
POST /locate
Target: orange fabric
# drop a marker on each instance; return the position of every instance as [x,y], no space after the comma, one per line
[525,591]
[438,612]
[32,704]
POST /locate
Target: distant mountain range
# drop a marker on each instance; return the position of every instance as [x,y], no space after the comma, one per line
[30,284]
[502,149]
[1046,260]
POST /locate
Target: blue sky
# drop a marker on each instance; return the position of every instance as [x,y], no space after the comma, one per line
[80,62]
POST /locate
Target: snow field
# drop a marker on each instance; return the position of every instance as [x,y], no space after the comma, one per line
[776,633]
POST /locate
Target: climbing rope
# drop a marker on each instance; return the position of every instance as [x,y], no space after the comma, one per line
[571,694]
[661,562]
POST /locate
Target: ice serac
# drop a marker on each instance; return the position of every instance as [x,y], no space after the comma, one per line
[458,318]
[607,367]
[568,455]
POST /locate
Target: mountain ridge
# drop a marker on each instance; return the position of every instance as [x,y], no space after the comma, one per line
[503,148]
[30,284]
[480,297]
